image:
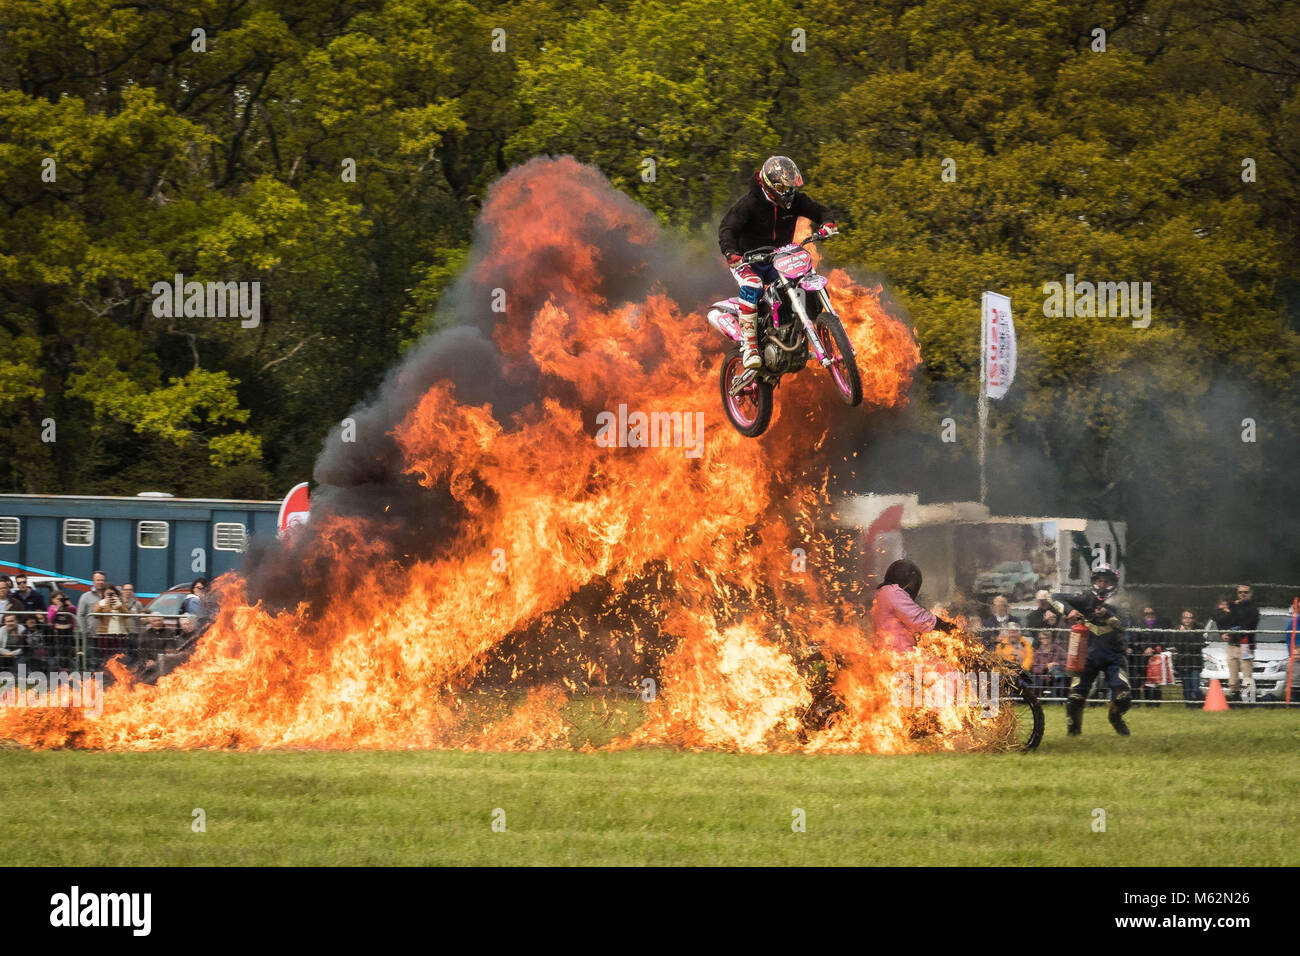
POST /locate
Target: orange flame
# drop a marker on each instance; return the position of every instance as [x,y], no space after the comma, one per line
[609,551]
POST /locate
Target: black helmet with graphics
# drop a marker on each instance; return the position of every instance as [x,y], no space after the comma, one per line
[1104,581]
[780,179]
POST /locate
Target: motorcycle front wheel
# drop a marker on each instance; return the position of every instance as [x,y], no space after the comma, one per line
[750,409]
[844,364]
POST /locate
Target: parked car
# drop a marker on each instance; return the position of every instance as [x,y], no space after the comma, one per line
[1269,670]
[1015,579]
[168,604]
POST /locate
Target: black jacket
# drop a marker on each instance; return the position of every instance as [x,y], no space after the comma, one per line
[1241,616]
[1190,645]
[33,599]
[755,221]
[1106,624]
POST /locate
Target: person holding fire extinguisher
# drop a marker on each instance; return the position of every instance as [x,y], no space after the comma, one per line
[1098,628]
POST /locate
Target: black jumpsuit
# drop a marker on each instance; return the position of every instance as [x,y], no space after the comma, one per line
[1107,653]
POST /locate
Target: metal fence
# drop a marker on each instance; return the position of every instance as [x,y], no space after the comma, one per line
[1196,657]
[59,643]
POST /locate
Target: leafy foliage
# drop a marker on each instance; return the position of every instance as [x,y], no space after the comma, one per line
[335,153]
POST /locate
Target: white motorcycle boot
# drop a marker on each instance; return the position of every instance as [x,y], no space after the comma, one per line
[749,356]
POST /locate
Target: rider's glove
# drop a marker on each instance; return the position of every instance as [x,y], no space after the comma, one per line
[941,625]
[827,229]
[734,259]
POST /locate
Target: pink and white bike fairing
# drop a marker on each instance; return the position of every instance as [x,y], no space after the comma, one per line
[795,263]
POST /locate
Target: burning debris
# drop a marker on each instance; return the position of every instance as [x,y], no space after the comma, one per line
[476,542]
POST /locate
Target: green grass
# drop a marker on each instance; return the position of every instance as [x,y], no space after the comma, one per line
[1187,788]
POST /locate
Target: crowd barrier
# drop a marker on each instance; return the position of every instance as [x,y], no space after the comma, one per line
[1181,673]
[1183,676]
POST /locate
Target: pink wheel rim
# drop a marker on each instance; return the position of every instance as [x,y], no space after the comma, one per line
[837,360]
[734,368]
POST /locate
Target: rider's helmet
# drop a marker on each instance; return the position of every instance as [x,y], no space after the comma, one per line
[780,179]
[906,575]
[1104,581]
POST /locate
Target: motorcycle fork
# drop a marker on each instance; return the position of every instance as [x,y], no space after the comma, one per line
[814,340]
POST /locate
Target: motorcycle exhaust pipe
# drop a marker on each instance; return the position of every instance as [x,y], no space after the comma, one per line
[781,345]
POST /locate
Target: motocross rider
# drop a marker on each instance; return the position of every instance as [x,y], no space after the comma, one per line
[765,216]
[1107,651]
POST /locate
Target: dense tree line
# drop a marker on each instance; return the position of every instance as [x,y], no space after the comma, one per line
[969,144]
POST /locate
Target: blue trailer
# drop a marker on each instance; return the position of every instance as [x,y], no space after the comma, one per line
[152,541]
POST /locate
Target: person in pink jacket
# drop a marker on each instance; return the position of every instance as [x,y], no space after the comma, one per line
[895,615]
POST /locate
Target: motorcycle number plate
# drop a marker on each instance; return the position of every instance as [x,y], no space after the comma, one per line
[793,264]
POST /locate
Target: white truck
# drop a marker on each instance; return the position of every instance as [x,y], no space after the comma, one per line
[959,545]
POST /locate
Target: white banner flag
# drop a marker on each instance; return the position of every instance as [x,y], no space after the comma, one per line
[999,344]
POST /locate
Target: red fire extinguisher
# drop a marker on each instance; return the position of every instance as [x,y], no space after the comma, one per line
[1078,651]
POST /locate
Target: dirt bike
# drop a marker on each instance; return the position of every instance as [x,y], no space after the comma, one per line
[1018,725]
[793,326]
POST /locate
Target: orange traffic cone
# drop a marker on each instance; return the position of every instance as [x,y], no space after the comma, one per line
[1214,699]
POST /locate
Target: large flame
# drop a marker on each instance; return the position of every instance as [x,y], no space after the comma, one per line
[570,563]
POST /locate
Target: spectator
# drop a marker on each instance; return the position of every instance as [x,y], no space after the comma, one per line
[13,642]
[1238,619]
[63,630]
[194,602]
[9,601]
[187,637]
[1052,627]
[1153,621]
[1189,659]
[1015,648]
[131,607]
[32,599]
[155,640]
[110,626]
[86,606]
[1000,618]
[189,629]
[1049,665]
[1034,619]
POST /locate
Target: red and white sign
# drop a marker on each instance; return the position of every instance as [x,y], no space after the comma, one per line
[999,344]
[293,510]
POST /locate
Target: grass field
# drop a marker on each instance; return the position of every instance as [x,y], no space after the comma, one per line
[1187,788]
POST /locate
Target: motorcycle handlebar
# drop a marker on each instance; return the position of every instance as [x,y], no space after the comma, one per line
[764,253]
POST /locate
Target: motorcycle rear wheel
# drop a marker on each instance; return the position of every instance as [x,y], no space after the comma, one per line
[750,410]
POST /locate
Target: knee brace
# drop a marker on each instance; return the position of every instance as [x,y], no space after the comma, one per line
[751,293]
